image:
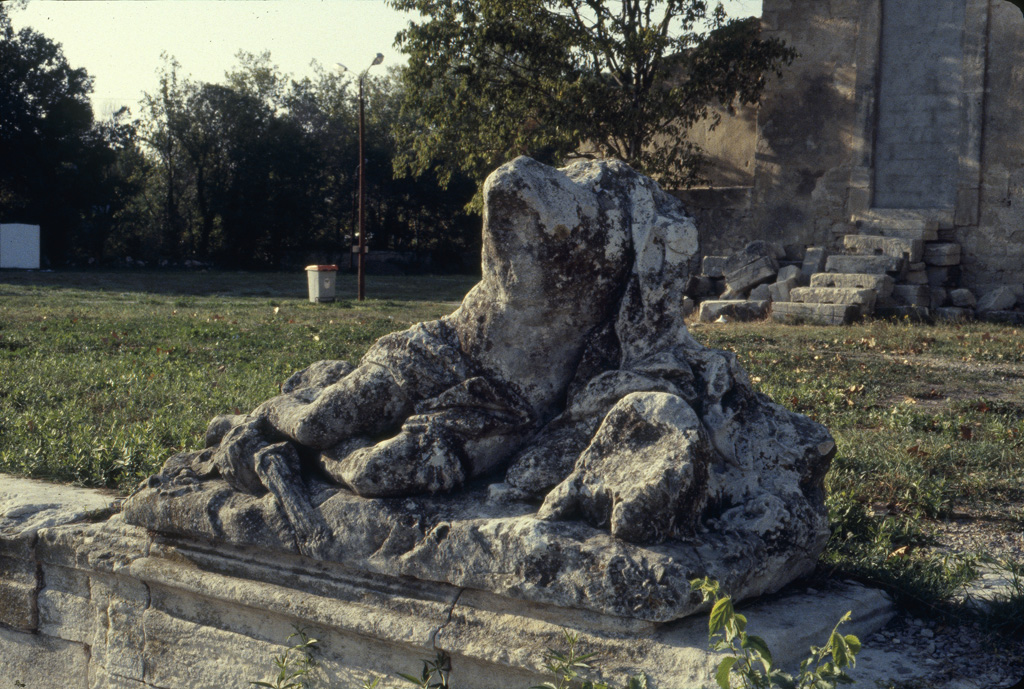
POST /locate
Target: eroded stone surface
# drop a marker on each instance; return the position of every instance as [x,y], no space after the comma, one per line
[560,438]
[733,310]
[999,299]
[28,506]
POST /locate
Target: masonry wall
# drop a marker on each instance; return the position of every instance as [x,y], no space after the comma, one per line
[105,605]
[994,250]
[895,109]
[729,146]
[807,126]
[919,86]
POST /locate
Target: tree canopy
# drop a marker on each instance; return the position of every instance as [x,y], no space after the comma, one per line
[492,79]
[263,168]
[54,160]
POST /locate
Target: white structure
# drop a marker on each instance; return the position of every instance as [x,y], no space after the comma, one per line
[19,246]
[322,282]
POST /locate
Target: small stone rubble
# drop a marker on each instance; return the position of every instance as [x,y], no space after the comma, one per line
[915,654]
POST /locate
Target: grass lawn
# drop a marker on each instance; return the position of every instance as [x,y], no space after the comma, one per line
[107,374]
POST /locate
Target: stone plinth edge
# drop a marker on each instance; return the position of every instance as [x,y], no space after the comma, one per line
[118,606]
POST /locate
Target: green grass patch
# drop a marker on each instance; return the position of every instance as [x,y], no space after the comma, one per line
[105,375]
[928,421]
[103,380]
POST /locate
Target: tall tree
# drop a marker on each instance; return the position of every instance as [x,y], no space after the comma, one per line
[491,79]
[54,161]
[261,170]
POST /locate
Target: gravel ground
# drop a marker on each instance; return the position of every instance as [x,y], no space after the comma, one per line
[963,656]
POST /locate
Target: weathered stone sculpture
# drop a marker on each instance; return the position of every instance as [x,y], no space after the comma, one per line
[559,438]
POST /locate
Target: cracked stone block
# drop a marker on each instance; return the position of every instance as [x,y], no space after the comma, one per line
[760,270]
[18,584]
[999,299]
[761,293]
[881,284]
[780,290]
[65,604]
[938,254]
[814,262]
[863,264]
[963,298]
[120,603]
[711,311]
[787,272]
[823,314]
[714,266]
[910,249]
[42,662]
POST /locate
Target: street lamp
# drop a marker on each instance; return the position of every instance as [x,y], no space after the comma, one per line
[361,260]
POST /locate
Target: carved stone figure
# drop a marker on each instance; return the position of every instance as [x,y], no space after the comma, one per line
[559,438]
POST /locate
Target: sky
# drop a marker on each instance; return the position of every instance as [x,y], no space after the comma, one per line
[120,42]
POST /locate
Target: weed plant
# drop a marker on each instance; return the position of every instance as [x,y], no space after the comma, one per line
[746,661]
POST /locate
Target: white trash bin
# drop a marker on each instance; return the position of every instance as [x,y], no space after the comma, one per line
[322,282]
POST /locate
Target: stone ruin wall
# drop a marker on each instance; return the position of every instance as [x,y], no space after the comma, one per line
[870,104]
[994,250]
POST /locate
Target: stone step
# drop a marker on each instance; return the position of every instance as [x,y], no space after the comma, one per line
[911,233]
[882,284]
[942,254]
[865,298]
[823,314]
[872,244]
[863,264]
[905,224]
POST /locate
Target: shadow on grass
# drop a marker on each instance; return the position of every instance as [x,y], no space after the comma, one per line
[291,285]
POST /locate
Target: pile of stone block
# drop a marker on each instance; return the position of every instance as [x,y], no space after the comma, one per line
[899,269]
[763,280]
[740,285]
[907,268]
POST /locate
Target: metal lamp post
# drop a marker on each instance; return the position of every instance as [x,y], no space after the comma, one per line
[361,260]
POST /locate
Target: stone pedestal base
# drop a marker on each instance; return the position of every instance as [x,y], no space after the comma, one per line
[117,606]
